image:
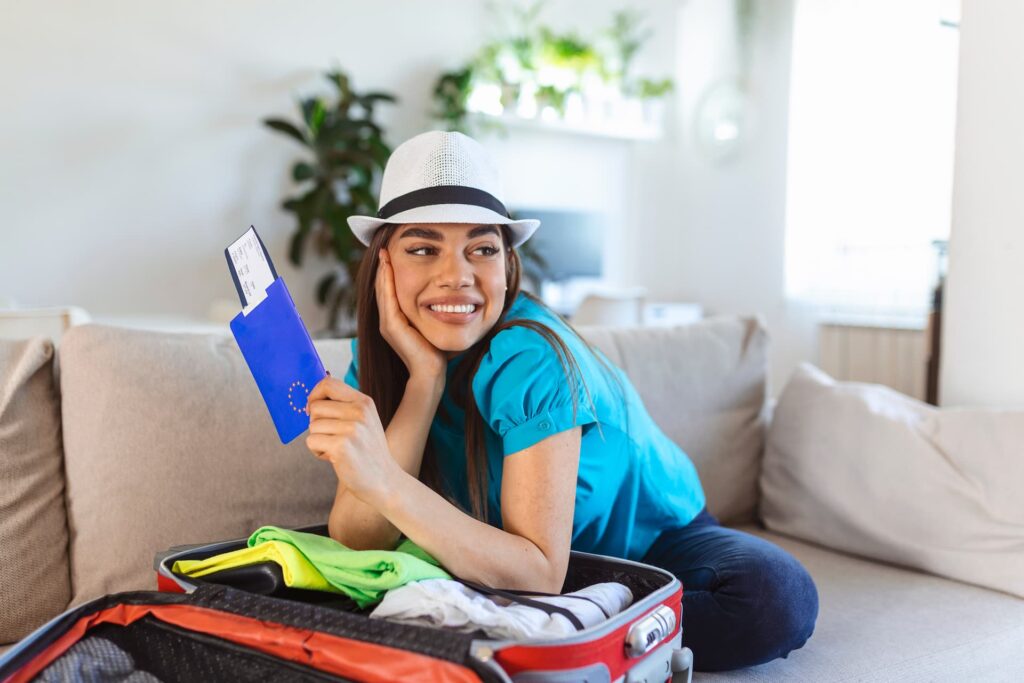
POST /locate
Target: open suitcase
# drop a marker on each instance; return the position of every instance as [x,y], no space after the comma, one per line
[244,624]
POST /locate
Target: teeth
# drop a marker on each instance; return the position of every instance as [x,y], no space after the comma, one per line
[463,308]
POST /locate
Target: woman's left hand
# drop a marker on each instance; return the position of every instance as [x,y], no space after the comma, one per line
[345,429]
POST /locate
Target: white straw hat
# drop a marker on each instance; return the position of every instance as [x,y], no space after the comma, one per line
[440,177]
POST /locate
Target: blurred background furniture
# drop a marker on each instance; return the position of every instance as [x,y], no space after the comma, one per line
[168,323]
[51,322]
[621,308]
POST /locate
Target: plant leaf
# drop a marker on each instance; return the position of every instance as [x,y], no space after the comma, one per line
[324,287]
[352,156]
[363,197]
[303,171]
[341,82]
[372,97]
[297,243]
[313,113]
[380,151]
[289,129]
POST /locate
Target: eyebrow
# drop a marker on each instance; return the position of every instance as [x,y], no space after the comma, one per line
[431,234]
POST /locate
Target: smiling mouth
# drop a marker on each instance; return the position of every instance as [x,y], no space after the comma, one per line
[460,308]
[459,315]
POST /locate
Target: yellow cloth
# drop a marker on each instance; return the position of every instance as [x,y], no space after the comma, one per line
[319,562]
[298,572]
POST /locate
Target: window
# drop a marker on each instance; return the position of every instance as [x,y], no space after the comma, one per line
[870,159]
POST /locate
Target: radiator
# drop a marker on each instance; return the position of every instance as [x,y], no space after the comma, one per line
[895,357]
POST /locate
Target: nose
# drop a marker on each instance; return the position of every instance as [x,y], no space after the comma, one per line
[455,271]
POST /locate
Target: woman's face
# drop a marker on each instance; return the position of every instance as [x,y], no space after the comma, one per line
[449,280]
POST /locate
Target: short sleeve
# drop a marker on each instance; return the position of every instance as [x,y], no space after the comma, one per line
[351,378]
[523,392]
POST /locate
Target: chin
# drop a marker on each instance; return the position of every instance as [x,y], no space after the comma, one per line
[453,338]
[453,343]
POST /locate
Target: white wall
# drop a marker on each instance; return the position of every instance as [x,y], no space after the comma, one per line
[717,236]
[132,150]
[982,362]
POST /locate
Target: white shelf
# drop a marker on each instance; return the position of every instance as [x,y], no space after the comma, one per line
[609,129]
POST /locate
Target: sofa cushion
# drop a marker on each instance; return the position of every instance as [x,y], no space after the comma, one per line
[704,386]
[168,442]
[865,469]
[34,580]
[878,622]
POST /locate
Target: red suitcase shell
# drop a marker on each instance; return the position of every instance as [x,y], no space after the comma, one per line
[305,634]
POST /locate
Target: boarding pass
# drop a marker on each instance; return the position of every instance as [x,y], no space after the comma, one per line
[251,269]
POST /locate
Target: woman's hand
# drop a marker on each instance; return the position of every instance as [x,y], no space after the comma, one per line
[345,429]
[421,358]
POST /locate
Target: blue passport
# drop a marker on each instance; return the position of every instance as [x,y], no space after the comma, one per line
[276,345]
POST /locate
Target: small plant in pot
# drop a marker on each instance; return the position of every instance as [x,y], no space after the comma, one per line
[347,154]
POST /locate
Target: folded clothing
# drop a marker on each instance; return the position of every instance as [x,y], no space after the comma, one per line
[319,562]
[450,604]
[95,660]
[297,571]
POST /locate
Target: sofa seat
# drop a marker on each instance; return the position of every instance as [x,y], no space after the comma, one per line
[880,622]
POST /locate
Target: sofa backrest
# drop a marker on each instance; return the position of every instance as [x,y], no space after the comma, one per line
[705,386]
[167,440]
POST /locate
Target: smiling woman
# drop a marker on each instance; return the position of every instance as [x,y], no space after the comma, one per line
[479,424]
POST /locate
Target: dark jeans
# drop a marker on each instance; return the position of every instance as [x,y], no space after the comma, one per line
[745,601]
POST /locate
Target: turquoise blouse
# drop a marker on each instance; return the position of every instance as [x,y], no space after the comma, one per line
[633,481]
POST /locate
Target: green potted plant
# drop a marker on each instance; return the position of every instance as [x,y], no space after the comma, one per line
[346,154]
[552,69]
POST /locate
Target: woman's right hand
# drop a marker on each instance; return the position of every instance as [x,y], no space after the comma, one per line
[421,358]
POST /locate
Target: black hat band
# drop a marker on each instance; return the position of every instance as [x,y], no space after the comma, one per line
[442,194]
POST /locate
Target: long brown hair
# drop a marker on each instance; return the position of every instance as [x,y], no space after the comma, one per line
[383,376]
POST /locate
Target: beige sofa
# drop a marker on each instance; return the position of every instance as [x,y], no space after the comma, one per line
[126,442]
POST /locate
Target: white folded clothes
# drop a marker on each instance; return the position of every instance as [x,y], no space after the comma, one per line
[450,604]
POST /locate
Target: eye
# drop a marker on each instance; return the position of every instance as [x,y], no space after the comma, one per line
[416,251]
[488,250]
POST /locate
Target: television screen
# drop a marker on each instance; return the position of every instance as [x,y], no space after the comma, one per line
[571,242]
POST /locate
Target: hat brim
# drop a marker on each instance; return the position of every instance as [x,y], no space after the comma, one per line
[363,227]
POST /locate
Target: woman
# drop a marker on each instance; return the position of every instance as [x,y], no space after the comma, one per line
[477,423]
